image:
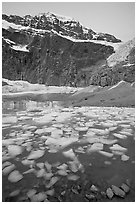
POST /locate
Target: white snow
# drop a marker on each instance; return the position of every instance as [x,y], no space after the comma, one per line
[22,48]
[8,41]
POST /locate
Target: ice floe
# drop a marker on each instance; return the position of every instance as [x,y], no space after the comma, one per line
[15,176]
[73,177]
[36,154]
[9,119]
[41,173]
[70,154]
[107,154]
[14,150]
[8,169]
[95,147]
[124,157]
[120,136]
[117,191]
[7,163]
[14,193]
[39,197]
[117,147]
[53,180]
[31,192]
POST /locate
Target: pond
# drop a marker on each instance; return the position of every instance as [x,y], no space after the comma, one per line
[55,153]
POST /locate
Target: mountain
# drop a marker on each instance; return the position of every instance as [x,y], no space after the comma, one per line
[119,66]
[53,50]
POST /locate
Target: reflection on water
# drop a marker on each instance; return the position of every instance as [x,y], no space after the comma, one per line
[52,153]
[24,105]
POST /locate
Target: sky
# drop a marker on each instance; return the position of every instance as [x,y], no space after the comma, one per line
[116,18]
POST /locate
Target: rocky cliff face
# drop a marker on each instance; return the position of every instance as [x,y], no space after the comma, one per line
[119,66]
[53,50]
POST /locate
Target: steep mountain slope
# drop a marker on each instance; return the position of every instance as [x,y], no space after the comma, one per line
[51,49]
[119,66]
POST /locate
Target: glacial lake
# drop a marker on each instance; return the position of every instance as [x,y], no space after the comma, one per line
[54,153]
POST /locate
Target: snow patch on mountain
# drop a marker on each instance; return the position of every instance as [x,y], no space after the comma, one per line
[20,48]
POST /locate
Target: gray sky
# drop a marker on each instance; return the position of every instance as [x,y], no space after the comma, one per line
[116,18]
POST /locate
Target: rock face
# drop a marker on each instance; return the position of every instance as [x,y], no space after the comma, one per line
[119,66]
[56,50]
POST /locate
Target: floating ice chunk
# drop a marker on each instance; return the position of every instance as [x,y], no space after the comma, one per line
[89,124]
[63,167]
[112,129]
[120,136]
[63,116]
[14,193]
[29,171]
[36,154]
[52,182]
[81,129]
[73,177]
[14,150]
[15,176]
[48,176]
[7,142]
[8,169]
[95,147]
[117,147]
[107,162]
[62,172]
[39,131]
[44,119]
[125,133]
[27,162]
[31,192]
[80,150]
[125,125]
[24,118]
[107,154]
[9,119]
[41,173]
[109,193]
[49,129]
[56,133]
[40,165]
[58,125]
[70,154]
[7,163]
[125,187]
[117,152]
[62,142]
[48,166]
[108,124]
[50,192]
[39,197]
[118,191]
[99,131]
[124,157]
